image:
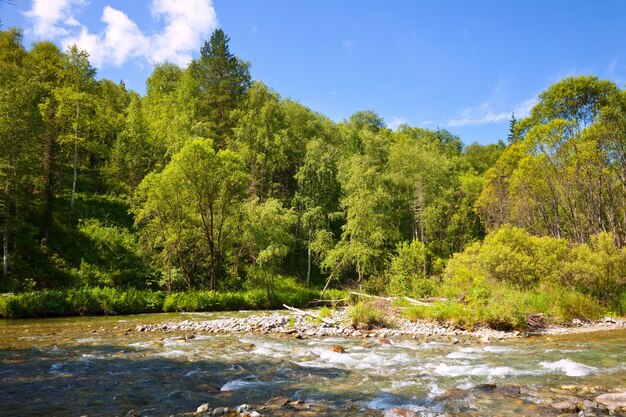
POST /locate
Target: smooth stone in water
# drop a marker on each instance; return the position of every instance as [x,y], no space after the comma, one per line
[564,404]
[510,389]
[613,400]
[220,411]
[337,348]
[203,408]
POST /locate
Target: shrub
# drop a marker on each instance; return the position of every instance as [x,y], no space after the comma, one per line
[367,315]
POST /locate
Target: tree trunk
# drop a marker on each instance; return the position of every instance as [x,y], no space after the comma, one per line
[75,157]
[74,180]
[308,266]
[5,247]
[48,184]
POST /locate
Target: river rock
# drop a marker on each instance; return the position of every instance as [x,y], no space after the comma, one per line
[203,408]
[564,404]
[485,387]
[278,399]
[510,390]
[384,341]
[452,394]
[133,413]
[337,348]
[220,411]
[243,408]
[248,346]
[612,401]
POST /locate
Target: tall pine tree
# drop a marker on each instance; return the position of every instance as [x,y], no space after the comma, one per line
[222,79]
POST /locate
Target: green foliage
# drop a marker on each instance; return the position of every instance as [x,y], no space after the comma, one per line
[368,315]
[106,300]
[80,302]
[406,271]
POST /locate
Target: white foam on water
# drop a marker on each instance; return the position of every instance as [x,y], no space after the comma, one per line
[460,354]
[87,340]
[569,367]
[476,370]
[402,384]
[466,385]
[389,403]
[57,369]
[175,353]
[434,390]
[498,349]
[419,346]
[142,345]
[237,384]
[87,356]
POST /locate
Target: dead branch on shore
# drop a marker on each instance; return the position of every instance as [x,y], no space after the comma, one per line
[307,313]
[409,299]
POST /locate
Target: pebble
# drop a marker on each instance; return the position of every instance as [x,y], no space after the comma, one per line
[203,408]
[339,324]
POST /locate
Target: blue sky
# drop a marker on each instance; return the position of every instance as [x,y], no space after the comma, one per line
[460,65]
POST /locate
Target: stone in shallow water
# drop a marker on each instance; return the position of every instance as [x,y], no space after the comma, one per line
[452,394]
[337,348]
[203,408]
[564,404]
[510,389]
[612,401]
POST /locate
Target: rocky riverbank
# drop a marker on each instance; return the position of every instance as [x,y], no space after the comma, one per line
[565,400]
[301,324]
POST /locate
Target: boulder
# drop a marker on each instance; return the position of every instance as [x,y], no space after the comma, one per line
[612,401]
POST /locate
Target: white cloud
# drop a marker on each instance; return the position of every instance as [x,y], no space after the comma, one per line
[395,122]
[50,17]
[186,24]
[492,110]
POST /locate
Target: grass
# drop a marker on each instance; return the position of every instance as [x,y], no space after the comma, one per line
[508,308]
[98,301]
[368,315]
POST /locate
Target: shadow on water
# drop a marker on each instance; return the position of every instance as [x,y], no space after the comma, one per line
[104,380]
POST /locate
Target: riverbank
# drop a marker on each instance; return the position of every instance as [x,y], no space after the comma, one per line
[113,301]
[339,323]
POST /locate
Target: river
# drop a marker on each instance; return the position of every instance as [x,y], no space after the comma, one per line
[94,366]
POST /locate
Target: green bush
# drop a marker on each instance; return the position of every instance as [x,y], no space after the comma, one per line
[368,315]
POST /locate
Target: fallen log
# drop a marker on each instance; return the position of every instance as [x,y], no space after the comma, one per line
[307,313]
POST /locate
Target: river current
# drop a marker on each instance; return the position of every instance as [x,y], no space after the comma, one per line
[94,366]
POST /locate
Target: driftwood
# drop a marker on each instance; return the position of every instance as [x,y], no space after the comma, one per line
[409,299]
[307,313]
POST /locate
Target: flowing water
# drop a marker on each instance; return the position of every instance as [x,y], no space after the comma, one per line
[78,366]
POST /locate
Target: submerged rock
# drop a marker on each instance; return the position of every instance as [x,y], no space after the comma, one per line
[337,348]
[510,389]
[564,404]
[452,394]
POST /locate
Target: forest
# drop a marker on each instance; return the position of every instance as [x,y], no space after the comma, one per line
[212,183]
